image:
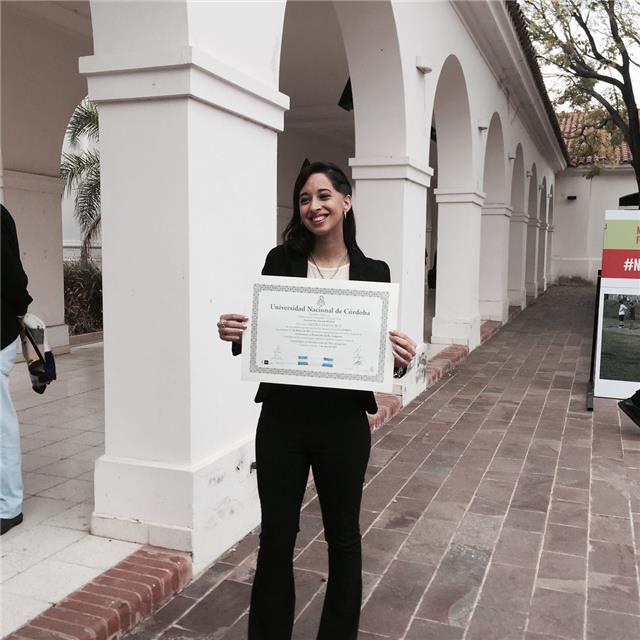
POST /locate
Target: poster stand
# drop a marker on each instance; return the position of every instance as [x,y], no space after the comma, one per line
[591,385]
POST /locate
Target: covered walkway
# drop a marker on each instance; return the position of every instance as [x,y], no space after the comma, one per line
[496,507]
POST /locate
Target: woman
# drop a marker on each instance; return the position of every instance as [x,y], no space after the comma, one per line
[302,427]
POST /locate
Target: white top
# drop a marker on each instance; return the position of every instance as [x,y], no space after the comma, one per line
[622,309]
[326,273]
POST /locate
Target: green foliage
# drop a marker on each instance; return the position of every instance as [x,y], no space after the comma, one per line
[82,296]
[81,172]
[587,49]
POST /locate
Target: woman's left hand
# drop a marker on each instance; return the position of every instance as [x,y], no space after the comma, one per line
[404,348]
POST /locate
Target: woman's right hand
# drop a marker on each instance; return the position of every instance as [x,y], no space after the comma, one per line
[231,326]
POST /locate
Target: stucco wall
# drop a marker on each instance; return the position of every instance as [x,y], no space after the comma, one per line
[579,224]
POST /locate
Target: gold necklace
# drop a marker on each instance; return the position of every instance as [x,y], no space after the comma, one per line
[337,268]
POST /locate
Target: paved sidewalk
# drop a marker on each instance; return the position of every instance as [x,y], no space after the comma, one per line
[495,508]
[52,552]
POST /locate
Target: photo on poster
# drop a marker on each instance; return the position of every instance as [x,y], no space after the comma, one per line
[620,336]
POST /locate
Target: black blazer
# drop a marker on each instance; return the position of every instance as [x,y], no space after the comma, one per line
[283,262]
[15,297]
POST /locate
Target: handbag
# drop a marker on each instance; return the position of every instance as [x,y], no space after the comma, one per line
[36,352]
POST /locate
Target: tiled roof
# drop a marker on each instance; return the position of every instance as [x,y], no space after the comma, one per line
[570,122]
[520,25]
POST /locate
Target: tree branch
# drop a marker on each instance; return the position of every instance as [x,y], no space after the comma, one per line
[577,16]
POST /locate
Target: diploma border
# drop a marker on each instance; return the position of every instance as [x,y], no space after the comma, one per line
[258,288]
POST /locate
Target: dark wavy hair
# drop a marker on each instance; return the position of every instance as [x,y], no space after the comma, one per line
[296,236]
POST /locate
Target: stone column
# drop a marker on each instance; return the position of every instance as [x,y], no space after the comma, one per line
[457,319]
[542,256]
[34,203]
[531,279]
[390,206]
[188,161]
[494,262]
[517,259]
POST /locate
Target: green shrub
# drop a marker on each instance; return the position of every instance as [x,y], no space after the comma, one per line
[82,296]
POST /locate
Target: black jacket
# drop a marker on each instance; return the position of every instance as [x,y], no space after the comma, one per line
[281,262]
[15,297]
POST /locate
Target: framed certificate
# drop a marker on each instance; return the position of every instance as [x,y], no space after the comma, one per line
[321,333]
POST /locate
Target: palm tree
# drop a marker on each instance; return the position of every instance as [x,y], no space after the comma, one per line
[81,172]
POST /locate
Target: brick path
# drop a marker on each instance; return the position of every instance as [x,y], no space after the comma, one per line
[495,508]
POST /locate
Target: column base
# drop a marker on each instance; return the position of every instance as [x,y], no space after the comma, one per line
[494,310]
[202,508]
[415,380]
[518,298]
[455,331]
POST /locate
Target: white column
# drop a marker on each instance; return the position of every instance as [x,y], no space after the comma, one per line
[34,203]
[517,259]
[457,319]
[188,166]
[531,281]
[494,262]
[390,207]
[542,256]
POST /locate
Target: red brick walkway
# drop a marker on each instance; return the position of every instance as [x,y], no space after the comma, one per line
[495,508]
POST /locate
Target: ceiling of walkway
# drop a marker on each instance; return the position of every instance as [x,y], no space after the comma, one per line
[313,67]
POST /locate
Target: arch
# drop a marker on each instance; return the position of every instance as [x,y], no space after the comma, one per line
[517,233]
[542,211]
[532,201]
[517,181]
[549,264]
[372,45]
[542,237]
[531,279]
[494,244]
[452,121]
[494,182]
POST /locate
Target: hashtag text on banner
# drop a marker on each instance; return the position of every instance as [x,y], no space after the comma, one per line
[621,263]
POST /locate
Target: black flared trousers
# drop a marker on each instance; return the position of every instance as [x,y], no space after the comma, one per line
[327,431]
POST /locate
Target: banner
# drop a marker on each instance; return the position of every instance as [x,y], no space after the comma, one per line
[617,373]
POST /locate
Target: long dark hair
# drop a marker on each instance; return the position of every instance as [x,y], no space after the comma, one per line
[296,236]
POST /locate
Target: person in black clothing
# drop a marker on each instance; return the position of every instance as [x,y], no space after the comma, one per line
[631,406]
[15,300]
[302,427]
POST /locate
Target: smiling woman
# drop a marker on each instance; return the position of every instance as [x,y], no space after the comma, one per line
[312,427]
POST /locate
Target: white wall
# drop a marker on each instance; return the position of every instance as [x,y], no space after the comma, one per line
[579,224]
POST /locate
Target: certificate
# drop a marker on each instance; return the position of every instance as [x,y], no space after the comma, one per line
[321,333]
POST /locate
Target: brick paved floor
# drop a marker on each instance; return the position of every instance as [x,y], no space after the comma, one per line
[495,508]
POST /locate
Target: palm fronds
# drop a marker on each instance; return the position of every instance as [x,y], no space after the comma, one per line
[83,122]
[81,173]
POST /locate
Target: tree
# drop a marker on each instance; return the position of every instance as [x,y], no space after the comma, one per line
[81,171]
[592,47]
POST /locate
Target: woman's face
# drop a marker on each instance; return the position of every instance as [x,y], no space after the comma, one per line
[322,208]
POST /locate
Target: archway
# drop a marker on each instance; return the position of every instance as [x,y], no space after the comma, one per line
[517,233]
[531,276]
[317,127]
[496,213]
[542,239]
[40,87]
[550,230]
[457,317]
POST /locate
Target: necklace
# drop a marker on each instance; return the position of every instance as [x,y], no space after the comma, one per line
[333,275]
